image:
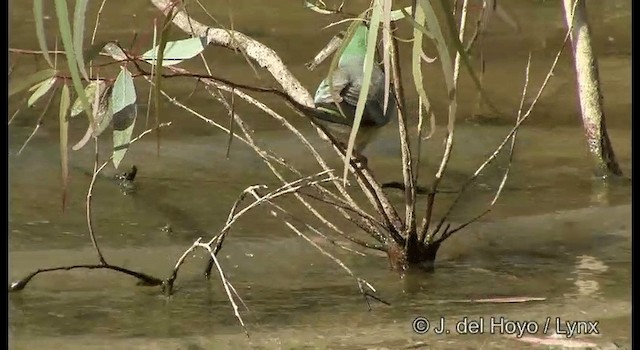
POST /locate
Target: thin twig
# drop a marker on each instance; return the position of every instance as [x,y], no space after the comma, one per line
[363,285]
[143,278]
[405,146]
[450,129]
[95,30]
[96,171]
[287,188]
[293,90]
[249,141]
[226,284]
[447,233]
[39,122]
[498,149]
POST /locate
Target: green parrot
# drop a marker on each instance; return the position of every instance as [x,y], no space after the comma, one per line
[346,85]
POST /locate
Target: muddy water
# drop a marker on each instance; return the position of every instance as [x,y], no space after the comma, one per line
[553,234]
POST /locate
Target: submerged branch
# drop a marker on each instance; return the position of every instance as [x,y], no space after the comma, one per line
[143,279]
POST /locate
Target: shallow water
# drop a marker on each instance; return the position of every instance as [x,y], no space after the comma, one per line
[553,234]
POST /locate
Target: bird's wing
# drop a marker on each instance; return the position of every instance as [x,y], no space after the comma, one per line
[346,87]
[325,94]
[374,113]
[327,97]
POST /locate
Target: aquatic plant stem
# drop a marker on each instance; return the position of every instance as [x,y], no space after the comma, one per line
[451,119]
[407,159]
[447,232]
[94,175]
[146,280]
[497,151]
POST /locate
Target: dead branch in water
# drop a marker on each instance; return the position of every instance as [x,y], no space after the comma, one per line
[144,279]
[215,243]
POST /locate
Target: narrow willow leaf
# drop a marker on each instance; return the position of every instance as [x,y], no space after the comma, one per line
[399,14]
[157,71]
[386,52]
[463,54]
[89,93]
[317,9]
[43,88]
[441,45]
[17,84]
[62,13]
[369,61]
[78,34]
[38,16]
[416,63]
[64,140]
[123,105]
[176,51]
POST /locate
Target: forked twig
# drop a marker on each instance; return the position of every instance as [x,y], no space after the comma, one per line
[497,151]
[447,233]
[145,279]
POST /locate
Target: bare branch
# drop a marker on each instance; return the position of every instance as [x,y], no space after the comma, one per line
[447,233]
[453,105]
[143,278]
[497,151]
[407,160]
[38,123]
[364,286]
[257,51]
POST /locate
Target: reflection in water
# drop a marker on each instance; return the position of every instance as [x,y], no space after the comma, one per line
[549,215]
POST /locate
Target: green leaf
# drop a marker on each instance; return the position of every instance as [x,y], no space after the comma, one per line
[369,61]
[38,15]
[67,41]
[89,93]
[64,140]
[42,89]
[17,84]
[123,105]
[176,51]
[78,34]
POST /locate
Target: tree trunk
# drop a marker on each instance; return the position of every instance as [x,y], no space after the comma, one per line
[590,96]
